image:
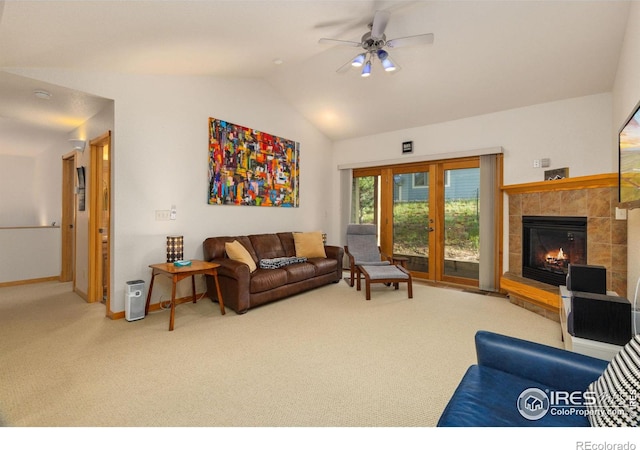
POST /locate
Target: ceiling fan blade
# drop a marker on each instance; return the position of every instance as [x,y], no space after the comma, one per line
[418,39]
[334,23]
[345,67]
[339,42]
[379,24]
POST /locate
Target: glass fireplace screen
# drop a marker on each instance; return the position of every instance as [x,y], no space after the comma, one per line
[550,244]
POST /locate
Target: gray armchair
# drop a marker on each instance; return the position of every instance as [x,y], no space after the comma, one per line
[362,249]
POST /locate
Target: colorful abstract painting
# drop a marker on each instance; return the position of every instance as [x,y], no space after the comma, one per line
[249,167]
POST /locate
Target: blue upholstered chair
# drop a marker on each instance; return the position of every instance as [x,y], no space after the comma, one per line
[508,368]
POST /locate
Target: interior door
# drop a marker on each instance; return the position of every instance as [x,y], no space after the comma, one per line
[99,221]
[68,234]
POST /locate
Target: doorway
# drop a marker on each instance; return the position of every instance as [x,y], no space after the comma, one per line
[100,221]
[428,213]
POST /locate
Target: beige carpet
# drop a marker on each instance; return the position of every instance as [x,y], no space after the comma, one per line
[326,358]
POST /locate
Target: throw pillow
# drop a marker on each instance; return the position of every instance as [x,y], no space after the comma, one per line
[309,245]
[236,251]
[617,390]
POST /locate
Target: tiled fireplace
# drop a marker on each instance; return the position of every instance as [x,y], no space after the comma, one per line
[606,236]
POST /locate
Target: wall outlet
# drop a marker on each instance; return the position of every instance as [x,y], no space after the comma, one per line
[163,214]
[536,163]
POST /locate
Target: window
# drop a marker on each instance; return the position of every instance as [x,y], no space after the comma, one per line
[420,180]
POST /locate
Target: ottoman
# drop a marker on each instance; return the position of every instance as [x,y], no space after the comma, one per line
[385,274]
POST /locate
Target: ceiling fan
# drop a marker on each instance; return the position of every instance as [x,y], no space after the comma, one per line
[374,43]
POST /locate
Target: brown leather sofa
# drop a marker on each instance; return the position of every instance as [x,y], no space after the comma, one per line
[242,289]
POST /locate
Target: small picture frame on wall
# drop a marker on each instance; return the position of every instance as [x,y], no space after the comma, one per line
[81,188]
[556,174]
[407,147]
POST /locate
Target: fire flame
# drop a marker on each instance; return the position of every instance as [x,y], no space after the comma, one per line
[559,257]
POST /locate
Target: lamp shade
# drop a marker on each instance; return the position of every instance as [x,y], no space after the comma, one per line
[386,61]
[366,70]
[388,65]
[175,248]
[358,61]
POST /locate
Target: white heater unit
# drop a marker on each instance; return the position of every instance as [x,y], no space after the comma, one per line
[134,301]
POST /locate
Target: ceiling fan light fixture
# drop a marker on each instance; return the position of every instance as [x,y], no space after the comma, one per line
[358,61]
[388,65]
[366,70]
[373,43]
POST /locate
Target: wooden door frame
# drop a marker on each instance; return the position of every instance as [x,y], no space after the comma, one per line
[95,289]
[68,221]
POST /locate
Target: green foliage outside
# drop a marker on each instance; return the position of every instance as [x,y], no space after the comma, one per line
[461,229]
[462,225]
[366,194]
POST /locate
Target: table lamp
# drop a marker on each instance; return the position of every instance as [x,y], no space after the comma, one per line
[175,248]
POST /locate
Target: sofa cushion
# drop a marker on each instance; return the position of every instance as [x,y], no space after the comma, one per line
[267,246]
[616,391]
[213,247]
[324,265]
[300,272]
[288,244]
[267,279]
[236,251]
[487,397]
[309,245]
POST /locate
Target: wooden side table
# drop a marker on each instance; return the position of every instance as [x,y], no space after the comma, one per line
[400,260]
[179,273]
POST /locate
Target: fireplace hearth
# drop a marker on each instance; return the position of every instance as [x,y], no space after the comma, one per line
[550,244]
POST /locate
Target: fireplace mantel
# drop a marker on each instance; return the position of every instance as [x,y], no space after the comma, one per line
[566,184]
[594,197]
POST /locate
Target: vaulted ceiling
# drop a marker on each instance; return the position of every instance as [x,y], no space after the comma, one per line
[486,56]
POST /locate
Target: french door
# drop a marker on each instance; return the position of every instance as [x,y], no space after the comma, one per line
[427,214]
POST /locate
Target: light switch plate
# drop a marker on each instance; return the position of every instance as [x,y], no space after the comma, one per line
[163,214]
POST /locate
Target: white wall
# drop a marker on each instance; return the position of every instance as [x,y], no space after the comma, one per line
[29,253]
[573,133]
[626,94]
[160,151]
[17,205]
[31,186]
[31,189]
